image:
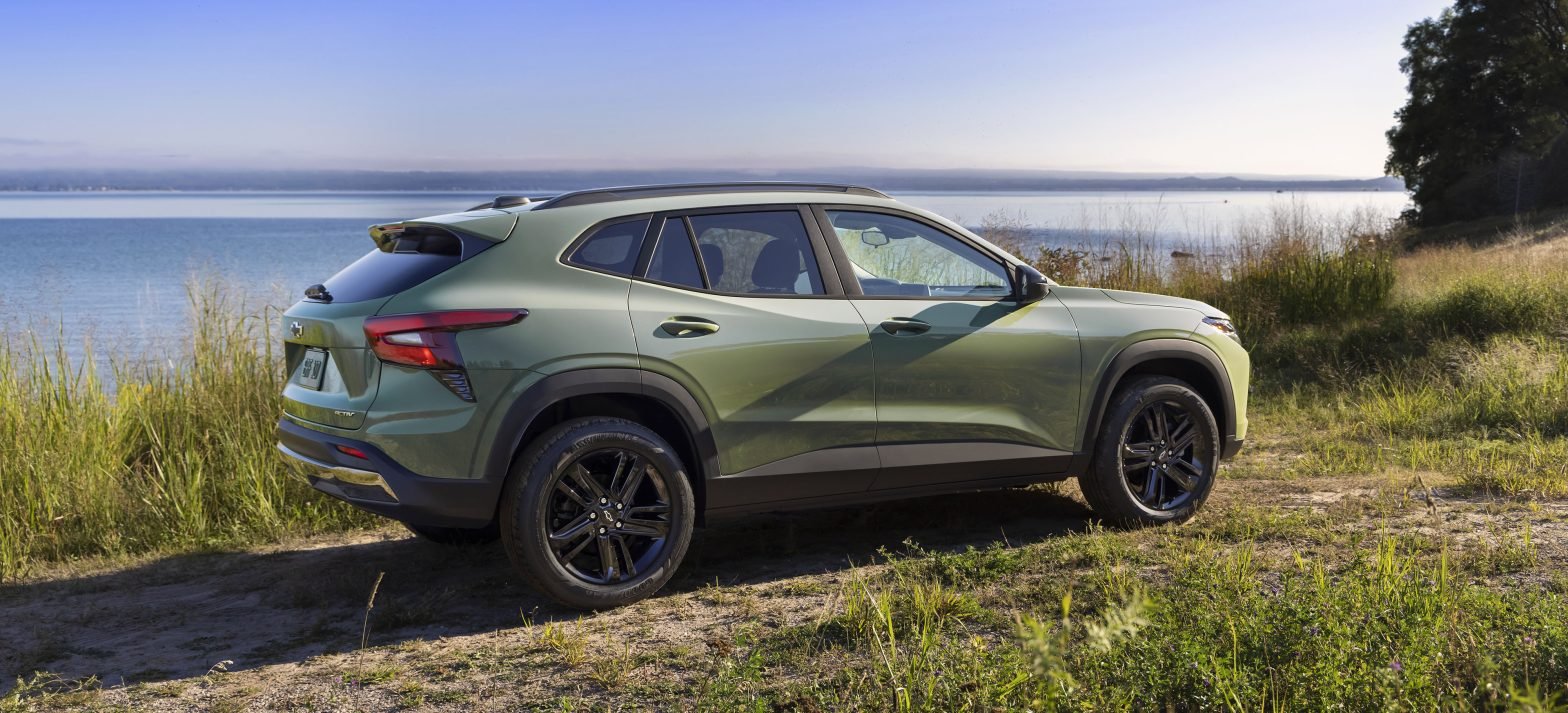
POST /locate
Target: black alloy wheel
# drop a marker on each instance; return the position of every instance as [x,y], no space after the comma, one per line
[1159,459]
[597,512]
[1155,456]
[609,516]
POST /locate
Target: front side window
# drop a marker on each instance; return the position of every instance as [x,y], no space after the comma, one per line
[612,248]
[761,253]
[893,256]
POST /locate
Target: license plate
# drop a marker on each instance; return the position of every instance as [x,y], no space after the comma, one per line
[312,369]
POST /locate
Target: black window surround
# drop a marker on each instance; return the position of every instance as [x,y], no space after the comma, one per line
[570,252]
[838,277]
[847,270]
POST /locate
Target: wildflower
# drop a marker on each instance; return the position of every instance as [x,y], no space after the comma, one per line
[1396,666]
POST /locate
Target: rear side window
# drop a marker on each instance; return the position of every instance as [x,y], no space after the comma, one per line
[763,253]
[674,260]
[416,255]
[612,248]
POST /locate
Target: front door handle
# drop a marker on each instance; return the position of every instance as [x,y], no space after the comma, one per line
[905,325]
[688,327]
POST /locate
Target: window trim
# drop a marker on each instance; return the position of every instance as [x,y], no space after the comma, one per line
[826,269]
[571,248]
[645,260]
[846,270]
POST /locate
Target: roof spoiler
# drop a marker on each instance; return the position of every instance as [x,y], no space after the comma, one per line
[386,235]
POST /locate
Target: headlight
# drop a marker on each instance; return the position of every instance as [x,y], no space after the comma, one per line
[1223,326]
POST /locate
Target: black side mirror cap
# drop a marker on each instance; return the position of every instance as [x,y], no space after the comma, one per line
[1031,285]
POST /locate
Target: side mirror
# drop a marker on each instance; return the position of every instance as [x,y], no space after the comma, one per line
[1030,285]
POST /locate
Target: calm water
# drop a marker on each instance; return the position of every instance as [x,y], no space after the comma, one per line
[114,267]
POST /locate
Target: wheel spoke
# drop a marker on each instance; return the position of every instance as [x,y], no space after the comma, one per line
[1150,424]
[1150,483]
[1187,438]
[644,528]
[583,545]
[1136,456]
[626,464]
[1130,467]
[571,530]
[633,481]
[1163,424]
[1185,474]
[607,563]
[570,492]
[639,511]
[626,557]
[586,481]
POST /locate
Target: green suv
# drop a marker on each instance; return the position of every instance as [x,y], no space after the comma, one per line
[590,376]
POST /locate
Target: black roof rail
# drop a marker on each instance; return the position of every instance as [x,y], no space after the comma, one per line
[626,193]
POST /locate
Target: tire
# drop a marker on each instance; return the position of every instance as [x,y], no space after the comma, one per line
[1151,482]
[594,539]
[456,536]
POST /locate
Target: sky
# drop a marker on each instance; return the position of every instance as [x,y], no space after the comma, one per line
[1218,87]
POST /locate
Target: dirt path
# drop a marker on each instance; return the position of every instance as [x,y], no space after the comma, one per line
[280,627]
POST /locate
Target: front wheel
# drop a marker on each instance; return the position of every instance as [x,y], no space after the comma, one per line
[597,513]
[1156,455]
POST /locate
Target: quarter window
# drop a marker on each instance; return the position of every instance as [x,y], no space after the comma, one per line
[894,256]
[612,248]
[761,253]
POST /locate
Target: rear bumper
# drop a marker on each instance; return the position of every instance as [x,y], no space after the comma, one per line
[380,485]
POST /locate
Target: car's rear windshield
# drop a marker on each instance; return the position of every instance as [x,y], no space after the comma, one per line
[419,254]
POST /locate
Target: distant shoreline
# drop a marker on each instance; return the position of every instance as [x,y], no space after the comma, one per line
[544,182]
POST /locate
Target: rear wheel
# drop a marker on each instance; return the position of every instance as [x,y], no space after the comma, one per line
[1156,456]
[597,513]
[456,536]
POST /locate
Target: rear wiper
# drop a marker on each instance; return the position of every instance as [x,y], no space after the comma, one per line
[318,293]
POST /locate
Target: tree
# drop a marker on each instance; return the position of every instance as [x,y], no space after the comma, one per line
[1488,83]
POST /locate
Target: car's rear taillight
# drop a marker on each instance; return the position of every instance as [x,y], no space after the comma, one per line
[429,341]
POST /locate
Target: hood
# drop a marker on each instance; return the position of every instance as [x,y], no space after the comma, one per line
[1152,300]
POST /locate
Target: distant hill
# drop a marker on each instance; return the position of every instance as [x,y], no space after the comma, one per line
[898,180]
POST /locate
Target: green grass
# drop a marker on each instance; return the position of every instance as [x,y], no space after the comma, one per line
[174,460]
[1391,627]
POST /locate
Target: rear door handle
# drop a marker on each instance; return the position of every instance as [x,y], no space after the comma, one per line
[688,327]
[905,325]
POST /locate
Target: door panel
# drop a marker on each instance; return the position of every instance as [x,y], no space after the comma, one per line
[975,371]
[970,384]
[779,377]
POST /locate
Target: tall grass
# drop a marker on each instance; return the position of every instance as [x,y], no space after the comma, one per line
[1289,266]
[176,455]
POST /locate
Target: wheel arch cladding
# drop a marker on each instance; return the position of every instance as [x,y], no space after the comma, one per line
[655,401]
[1182,359]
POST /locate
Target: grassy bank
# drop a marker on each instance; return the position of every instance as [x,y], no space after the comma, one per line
[177,459]
[1393,537]
[1438,351]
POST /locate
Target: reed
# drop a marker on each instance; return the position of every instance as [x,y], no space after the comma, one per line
[172,454]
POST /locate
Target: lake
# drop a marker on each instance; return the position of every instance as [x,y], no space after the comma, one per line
[112,268]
